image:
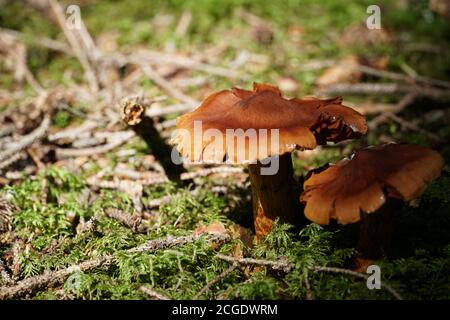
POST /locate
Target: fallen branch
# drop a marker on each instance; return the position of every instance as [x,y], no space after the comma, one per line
[144,178]
[41,41]
[217,279]
[371,107]
[155,203]
[152,293]
[383,88]
[413,127]
[209,171]
[131,221]
[357,275]
[6,130]
[5,277]
[399,107]
[286,266]
[402,77]
[282,264]
[14,158]
[87,227]
[132,188]
[75,44]
[117,139]
[178,108]
[56,278]
[27,140]
[167,86]
[166,124]
[88,142]
[309,292]
[128,186]
[74,133]
[155,57]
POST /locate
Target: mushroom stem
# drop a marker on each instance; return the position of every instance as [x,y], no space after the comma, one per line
[376,231]
[273,196]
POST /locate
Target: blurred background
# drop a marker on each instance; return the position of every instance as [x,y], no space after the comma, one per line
[304,47]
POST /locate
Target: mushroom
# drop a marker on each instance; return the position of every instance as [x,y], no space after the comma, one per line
[259,128]
[358,188]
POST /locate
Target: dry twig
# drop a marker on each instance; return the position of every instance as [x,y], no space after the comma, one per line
[56,278]
[357,275]
[217,279]
[116,139]
[5,277]
[14,158]
[167,86]
[399,107]
[27,140]
[282,264]
[209,171]
[152,293]
[384,88]
[286,266]
[131,221]
[75,44]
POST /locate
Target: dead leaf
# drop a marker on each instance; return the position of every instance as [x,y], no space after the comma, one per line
[361,264]
[215,227]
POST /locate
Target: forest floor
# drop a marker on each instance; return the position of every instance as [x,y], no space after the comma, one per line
[88,209]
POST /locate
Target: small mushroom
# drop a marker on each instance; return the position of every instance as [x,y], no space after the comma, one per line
[250,127]
[357,189]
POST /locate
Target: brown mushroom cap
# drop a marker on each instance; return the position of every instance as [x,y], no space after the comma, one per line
[362,182]
[302,123]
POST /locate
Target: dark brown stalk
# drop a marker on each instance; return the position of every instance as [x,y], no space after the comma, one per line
[273,196]
[376,231]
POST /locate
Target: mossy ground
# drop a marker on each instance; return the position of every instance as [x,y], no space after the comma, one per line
[419,264]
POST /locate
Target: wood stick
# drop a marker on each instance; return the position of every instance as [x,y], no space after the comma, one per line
[411,126]
[384,88]
[6,130]
[217,279]
[117,140]
[286,266]
[6,278]
[282,265]
[41,41]
[178,108]
[155,57]
[209,171]
[73,133]
[399,107]
[27,140]
[77,48]
[357,275]
[152,293]
[131,221]
[56,278]
[14,158]
[167,86]
[309,293]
